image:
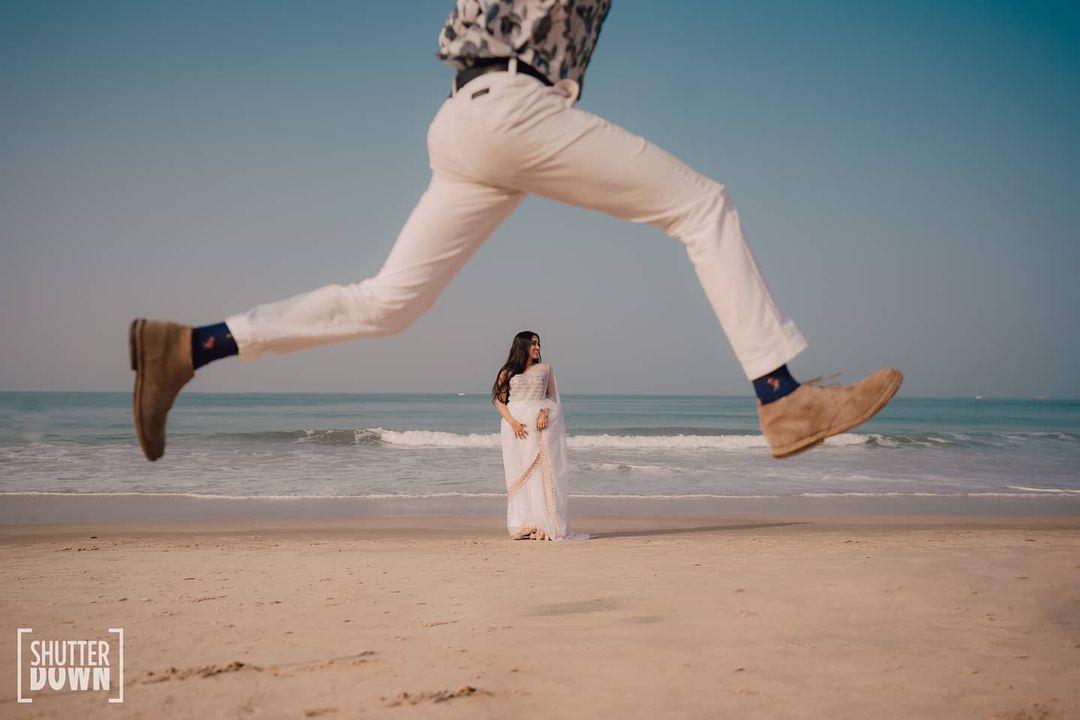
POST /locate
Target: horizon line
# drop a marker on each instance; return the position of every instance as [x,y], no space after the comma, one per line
[451,393]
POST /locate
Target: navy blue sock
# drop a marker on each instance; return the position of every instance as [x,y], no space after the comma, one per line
[211,342]
[775,385]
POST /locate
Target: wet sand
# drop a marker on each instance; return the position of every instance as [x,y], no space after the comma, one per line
[771,616]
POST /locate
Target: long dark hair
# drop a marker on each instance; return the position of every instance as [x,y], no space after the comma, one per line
[515,363]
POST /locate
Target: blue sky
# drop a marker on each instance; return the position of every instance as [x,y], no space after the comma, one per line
[906,173]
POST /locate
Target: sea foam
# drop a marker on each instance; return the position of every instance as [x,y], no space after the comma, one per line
[427,438]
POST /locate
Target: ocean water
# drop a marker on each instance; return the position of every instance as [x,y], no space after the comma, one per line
[431,445]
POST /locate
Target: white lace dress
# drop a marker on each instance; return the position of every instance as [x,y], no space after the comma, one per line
[535,467]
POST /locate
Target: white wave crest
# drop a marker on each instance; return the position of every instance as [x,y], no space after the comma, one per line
[1052,491]
[432,438]
[626,467]
[435,439]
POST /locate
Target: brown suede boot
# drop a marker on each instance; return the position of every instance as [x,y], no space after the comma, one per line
[812,413]
[161,359]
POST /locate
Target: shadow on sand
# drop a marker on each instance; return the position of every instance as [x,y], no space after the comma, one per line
[687,530]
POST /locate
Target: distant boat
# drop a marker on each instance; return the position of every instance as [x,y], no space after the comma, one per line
[978,397]
[1040,397]
[461,394]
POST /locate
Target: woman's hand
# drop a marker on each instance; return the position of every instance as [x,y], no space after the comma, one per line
[542,420]
[519,429]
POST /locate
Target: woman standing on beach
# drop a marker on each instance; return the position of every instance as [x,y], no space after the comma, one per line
[533,444]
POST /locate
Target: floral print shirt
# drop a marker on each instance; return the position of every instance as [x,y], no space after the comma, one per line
[557,37]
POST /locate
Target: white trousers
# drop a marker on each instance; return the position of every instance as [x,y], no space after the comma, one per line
[500,137]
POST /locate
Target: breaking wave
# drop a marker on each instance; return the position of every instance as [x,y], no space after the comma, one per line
[647,439]
[439,439]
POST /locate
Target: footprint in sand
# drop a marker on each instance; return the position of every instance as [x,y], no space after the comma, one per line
[437,696]
[206,671]
[573,608]
[1037,711]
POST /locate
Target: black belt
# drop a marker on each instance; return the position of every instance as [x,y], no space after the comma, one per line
[482,66]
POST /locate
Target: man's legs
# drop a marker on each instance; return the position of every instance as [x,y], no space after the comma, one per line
[452,220]
[608,169]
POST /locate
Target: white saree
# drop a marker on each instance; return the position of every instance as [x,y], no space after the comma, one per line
[535,467]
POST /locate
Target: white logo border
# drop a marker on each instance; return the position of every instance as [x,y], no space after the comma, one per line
[18,659]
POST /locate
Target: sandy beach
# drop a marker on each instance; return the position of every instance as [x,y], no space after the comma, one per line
[772,616]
